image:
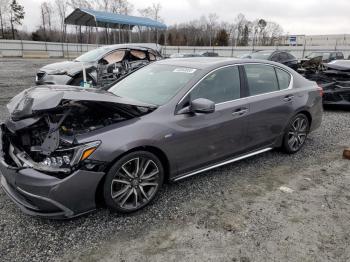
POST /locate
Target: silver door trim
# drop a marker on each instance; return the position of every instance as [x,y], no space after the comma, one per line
[223,163]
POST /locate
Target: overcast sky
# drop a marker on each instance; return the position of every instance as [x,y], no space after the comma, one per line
[295,16]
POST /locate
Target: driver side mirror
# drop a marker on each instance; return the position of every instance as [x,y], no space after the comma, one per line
[202,106]
[199,105]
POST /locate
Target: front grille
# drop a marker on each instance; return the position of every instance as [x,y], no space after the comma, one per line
[40,75]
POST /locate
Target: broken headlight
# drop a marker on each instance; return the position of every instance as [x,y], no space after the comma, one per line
[69,157]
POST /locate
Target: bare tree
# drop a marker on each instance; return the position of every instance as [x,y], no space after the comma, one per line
[272,33]
[16,15]
[212,22]
[4,11]
[46,15]
[120,7]
[62,6]
[240,22]
[152,12]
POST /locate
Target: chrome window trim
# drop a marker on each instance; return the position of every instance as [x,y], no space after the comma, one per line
[241,64]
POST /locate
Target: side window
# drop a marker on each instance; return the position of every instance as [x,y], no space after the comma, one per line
[340,55]
[333,56]
[283,78]
[115,57]
[290,56]
[276,58]
[283,57]
[261,79]
[220,86]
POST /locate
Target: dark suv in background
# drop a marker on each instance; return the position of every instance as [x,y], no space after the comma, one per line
[283,57]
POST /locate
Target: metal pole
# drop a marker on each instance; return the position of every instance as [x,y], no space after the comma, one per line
[97,37]
[22,46]
[119,35]
[129,34]
[65,39]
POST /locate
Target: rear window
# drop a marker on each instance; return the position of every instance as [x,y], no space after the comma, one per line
[261,79]
[283,78]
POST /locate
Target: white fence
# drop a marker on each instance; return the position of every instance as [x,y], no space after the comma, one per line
[228,51]
[18,48]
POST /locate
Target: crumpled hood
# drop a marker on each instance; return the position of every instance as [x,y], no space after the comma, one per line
[36,99]
[71,67]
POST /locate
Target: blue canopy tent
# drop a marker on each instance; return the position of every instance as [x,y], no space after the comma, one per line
[93,18]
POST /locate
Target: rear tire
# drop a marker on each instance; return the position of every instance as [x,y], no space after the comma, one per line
[133,182]
[296,134]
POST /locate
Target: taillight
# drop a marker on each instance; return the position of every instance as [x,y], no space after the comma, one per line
[320,90]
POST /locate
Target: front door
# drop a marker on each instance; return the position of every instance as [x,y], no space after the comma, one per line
[202,139]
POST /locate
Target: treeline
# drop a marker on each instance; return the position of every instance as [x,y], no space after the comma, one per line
[205,31]
[208,31]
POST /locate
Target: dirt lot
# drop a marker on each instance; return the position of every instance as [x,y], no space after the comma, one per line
[233,213]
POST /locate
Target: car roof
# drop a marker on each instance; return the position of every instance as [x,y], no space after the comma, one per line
[135,45]
[209,62]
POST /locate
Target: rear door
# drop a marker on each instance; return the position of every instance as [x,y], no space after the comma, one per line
[203,139]
[270,103]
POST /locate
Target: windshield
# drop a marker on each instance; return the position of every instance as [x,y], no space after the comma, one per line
[154,84]
[319,54]
[92,55]
[260,55]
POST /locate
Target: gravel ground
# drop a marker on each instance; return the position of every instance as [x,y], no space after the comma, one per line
[233,213]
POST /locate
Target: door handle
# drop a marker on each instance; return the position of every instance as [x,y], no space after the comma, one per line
[240,112]
[288,98]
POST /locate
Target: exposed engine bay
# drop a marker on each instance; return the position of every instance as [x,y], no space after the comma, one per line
[44,136]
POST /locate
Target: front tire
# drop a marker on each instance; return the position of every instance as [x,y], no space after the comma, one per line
[296,134]
[133,182]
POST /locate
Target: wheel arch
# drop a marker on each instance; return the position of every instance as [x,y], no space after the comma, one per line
[303,111]
[152,149]
[80,74]
[306,113]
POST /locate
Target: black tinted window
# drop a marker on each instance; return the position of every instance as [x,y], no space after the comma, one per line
[220,86]
[340,55]
[283,56]
[290,56]
[261,79]
[283,78]
[276,58]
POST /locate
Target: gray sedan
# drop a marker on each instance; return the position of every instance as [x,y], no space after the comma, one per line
[63,147]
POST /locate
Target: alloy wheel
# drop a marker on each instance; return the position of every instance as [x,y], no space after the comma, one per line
[135,183]
[297,133]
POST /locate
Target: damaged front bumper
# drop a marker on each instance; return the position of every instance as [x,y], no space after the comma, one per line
[40,194]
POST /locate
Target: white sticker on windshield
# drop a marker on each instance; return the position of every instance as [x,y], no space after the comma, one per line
[184,70]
